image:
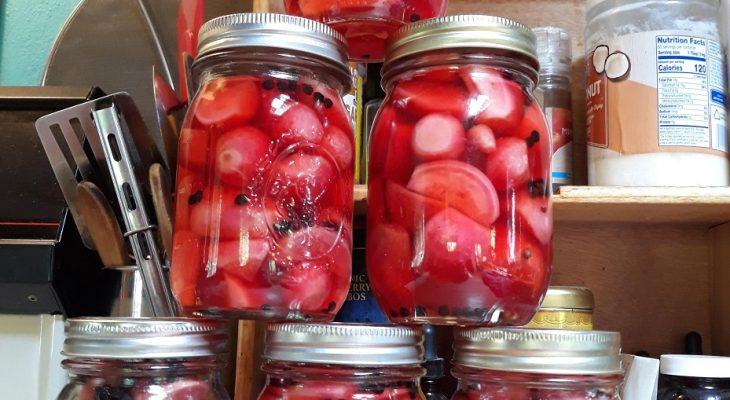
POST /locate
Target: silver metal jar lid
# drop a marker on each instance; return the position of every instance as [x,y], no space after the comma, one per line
[344,344]
[277,31]
[129,338]
[462,31]
[539,351]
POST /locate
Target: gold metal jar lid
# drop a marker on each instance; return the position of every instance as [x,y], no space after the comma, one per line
[568,297]
[462,31]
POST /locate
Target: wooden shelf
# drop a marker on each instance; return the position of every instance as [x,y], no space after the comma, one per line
[668,205]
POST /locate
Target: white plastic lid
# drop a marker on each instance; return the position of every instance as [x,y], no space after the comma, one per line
[695,366]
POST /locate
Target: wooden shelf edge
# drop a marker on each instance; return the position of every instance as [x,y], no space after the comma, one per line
[708,206]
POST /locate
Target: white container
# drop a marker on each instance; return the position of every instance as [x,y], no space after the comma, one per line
[655,94]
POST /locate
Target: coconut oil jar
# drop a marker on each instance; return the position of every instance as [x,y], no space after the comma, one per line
[655,94]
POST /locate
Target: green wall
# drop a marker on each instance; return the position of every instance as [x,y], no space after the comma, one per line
[27,31]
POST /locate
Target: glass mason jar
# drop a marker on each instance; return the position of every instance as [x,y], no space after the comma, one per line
[343,362]
[144,359]
[524,364]
[366,23]
[264,198]
[459,200]
[694,377]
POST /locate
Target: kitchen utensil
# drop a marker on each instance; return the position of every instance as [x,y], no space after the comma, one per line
[123,150]
[162,200]
[165,103]
[129,173]
[102,224]
[107,236]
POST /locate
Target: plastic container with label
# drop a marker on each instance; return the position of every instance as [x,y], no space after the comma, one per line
[520,364]
[366,23]
[144,359]
[263,219]
[694,377]
[459,198]
[343,362]
[655,94]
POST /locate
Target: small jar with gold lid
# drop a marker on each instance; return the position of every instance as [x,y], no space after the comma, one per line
[565,308]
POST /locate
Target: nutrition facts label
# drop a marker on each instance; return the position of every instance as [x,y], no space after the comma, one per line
[690,90]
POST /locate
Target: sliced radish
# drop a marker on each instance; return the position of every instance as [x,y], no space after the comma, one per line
[340,146]
[536,212]
[438,137]
[499,102]
[186,267]
[243,257]
[389,258]
[193,149]
[227,103]
[455,246]
[228,215]
[508,166]
[399,159]
[298,124]
[238,155]
[409,209]
[419,97]
[482,137]
[460,186]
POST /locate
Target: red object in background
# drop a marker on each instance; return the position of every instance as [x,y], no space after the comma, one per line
[189,20]
[366,23]
[464,219]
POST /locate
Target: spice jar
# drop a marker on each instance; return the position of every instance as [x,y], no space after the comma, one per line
[144,359]
[565,307]
[263,219]
[522,364]
[694,377]
[366,23]
[341,361]
[459,199]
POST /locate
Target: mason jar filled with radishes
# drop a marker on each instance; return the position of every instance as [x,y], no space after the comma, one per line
[305,361]
[459,208]
[264,186]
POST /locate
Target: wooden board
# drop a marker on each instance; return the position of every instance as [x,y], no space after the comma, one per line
[720,294]
[651,282]
[701,206]
[706,207]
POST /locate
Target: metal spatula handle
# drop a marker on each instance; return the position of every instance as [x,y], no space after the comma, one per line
[140,233]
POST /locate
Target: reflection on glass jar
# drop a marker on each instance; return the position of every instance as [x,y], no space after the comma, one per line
[144,359]
[342,361]
[263,224]
[459,200]
[522,364]
[366,23]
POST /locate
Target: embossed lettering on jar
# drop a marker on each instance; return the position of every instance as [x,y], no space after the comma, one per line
[523,364]
[263,219]
[459,199]
[343,362]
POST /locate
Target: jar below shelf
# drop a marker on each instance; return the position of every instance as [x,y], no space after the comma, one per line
[144,359]
[342,361]
[521,364]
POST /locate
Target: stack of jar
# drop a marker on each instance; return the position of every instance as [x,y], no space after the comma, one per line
[459,211]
